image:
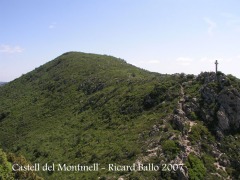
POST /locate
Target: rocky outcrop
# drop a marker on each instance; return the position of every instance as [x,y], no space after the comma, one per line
[229,101]
[223,121]
[220,103]
[217,105]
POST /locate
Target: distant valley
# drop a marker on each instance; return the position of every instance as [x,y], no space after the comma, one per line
[2,83]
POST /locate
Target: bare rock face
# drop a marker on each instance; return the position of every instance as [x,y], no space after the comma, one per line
[229,112]
[221,103]
[180,112]
[208,94]
[223,121]
[178,122]
[223,161]
[183,174]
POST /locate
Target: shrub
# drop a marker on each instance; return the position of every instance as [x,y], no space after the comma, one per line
[196,168]
[209,163]
[5,167]
[170,148]
[199,132]
[193,116]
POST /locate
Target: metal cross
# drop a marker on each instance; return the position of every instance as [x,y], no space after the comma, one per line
[216,62]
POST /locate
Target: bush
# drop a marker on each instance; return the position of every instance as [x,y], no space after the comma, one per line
[5,167]
[170,148]
[209,163]
[199,132]
[196,168]
[193,116]
[21,160]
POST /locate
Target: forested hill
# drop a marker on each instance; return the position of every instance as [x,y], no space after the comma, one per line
[88,108]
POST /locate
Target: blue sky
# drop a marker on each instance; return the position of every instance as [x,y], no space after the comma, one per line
[165,36]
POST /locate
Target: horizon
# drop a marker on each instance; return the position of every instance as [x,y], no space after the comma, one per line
[167,37]
[126,62]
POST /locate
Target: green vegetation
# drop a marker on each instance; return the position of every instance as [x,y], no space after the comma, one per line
[86,108]
[234,81]
[193,116]
[230,146]
[200,134]
[83,108]
[170,148]
[7,161]
[196,168]
[5,167]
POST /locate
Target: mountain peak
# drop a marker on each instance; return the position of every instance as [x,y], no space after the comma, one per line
[91,108]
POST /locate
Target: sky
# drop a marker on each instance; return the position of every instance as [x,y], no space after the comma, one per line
[165,36]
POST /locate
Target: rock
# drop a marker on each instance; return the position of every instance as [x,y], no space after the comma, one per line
[182,100]
[194,100]
[209,118]
[220,104]
[179,112]
[179,123]
[223,121]
[229,99]
[219,134]
[215,154]
[208,95]
[207,77]
[155,130]
[182,174]
[190,108]
[186,98]
[223,161]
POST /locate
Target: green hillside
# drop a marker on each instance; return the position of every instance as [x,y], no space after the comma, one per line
[85,108]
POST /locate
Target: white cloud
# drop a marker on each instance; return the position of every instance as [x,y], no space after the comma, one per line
[211,25]
[10,49]
[52,26]
[184,61]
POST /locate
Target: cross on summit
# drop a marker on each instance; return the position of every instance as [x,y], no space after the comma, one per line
[216,62]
